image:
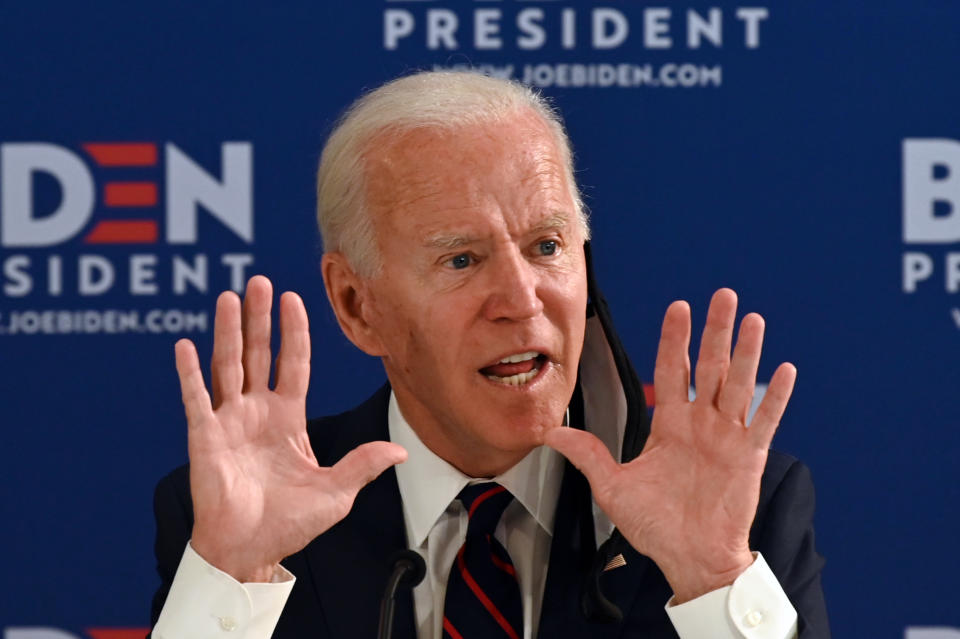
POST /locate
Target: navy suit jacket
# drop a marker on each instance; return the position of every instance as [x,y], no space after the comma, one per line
[342,573]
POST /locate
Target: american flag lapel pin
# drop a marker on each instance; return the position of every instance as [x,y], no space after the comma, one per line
[615,562]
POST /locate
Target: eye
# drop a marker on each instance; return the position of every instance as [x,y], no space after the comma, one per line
[548,247]
[461,261]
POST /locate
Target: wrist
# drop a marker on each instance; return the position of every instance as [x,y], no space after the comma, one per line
[244,570]
[690,579]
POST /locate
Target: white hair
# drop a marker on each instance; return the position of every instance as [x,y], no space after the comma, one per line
[444,100]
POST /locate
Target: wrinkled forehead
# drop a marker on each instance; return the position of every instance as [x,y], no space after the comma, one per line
[426,178]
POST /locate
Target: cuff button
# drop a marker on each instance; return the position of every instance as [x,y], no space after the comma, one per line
[228,624]
[753,619]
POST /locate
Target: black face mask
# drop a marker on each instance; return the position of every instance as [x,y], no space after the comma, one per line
[594,605]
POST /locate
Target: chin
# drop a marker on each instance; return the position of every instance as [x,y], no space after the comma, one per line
[524,430]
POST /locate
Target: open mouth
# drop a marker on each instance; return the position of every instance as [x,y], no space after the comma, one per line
[516,370]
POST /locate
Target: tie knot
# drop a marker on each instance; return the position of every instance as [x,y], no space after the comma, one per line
[485,504]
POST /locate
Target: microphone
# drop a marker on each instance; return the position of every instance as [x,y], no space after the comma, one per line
[409,569]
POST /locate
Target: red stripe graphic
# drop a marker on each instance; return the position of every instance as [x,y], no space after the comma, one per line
[484,497]
[504,566]
[123,232]
[130,194]
[450,629]
[484,599]
[649,395]
[122,153]
[118,633]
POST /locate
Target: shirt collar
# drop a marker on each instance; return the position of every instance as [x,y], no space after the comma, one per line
[428,483]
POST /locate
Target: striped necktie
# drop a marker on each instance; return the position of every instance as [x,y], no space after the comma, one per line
[483,596]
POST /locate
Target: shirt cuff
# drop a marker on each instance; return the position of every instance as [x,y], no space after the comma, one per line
[206,602]
[753,607]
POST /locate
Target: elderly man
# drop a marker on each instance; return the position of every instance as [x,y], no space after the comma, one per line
[455,252]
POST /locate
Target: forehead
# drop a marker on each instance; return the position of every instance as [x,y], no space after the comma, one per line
[507,173]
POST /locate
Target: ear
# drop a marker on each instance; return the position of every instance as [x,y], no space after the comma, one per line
[349,295]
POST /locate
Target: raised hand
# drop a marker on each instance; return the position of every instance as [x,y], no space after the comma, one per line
[688,500]
[258,493]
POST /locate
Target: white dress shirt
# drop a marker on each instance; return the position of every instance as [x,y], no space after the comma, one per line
[436,521]
[205,602]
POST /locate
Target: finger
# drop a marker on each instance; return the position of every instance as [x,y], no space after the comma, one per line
[737,392]
[256,333]
[226,365]
[293,361]
[585,451]
[196,400]
[714,357]
[774,403]
[364,463]
[671,375]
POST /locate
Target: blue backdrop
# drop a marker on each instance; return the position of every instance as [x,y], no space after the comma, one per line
[803,153]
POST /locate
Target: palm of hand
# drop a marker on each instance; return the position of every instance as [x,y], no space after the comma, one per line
[694,487]
[689,499]
[253,479]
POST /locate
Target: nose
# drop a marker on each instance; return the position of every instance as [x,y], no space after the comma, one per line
[513,288]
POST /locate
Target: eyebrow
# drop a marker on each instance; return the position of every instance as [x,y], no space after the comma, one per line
[444,241]
[555,221]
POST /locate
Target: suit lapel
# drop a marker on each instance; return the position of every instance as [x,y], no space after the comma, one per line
[350,563]
[562,612]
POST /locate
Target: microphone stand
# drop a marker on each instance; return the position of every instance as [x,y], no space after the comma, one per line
[409,569]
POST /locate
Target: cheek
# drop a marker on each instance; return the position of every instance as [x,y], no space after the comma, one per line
[393,321]
[416,337]
[568,299]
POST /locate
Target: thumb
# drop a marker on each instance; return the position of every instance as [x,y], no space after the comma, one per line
[364,463]
[585,451]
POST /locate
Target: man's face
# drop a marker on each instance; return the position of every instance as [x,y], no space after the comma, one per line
[480,304]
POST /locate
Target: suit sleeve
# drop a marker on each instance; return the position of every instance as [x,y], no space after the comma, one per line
[783,532]
[173,512]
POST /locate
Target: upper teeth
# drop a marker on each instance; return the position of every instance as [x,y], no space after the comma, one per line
[520,357]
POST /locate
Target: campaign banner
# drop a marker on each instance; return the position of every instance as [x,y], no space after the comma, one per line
[806,155]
